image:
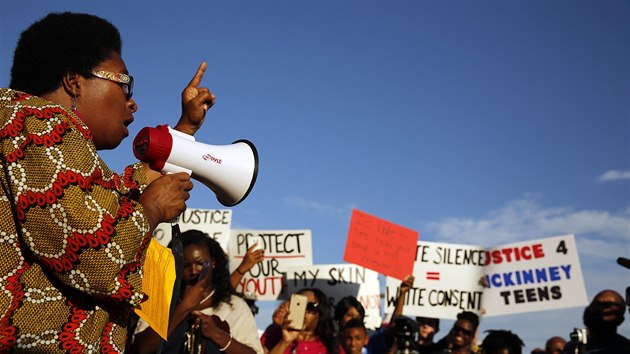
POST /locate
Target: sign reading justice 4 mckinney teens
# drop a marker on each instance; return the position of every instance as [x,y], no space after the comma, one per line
[338,281]
[214,222]
[528,276]
[543,274]
[283,248]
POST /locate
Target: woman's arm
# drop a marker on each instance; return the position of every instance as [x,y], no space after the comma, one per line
[252,257]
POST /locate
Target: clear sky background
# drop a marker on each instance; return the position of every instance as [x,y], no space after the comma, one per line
[472,122]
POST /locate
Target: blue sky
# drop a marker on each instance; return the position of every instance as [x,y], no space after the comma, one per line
[472,122]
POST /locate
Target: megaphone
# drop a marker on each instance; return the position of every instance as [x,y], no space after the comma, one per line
[228,170]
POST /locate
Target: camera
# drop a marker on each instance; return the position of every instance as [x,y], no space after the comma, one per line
[579,335]
[406,333]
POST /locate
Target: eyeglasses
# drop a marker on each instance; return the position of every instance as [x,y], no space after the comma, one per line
[462,330]
[312,307]
[125,81]
[608,304]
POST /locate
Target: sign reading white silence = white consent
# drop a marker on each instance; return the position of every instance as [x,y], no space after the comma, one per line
[215,222]
[338,281]
[283,249]
[514,278]
[447,281]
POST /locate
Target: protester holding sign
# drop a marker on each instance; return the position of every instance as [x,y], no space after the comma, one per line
[383,340]
[208,312]
[254,255]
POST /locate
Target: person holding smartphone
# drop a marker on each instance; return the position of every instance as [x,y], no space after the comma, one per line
[317,334]
[209,316]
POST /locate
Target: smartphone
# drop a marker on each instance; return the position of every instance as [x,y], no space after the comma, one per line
[297,309]
[257,240]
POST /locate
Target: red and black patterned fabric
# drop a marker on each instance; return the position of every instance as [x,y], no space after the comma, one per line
[71,276]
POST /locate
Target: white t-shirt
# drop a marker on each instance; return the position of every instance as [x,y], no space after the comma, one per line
[237,315]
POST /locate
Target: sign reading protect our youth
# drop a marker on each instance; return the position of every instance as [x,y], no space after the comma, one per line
[447,281]
[543,274]
[214,222]
[380,245]
[283,248]
[338,281]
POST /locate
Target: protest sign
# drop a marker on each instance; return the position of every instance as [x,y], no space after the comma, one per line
[535,275]
[283,248]
[543,274]
[380,245]
[214,222]
[447,281]
[338,281]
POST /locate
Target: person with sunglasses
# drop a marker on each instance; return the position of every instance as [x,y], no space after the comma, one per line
[602,318]
[460,339]
[317,335]
[74,234]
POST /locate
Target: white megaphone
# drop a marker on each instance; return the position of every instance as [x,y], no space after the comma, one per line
[229,170]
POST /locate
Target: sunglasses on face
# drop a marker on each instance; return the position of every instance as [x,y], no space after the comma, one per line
[123,80]
[312,307]
[462,330]
[608,304]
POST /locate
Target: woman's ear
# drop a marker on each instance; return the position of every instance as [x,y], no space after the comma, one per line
[71,83]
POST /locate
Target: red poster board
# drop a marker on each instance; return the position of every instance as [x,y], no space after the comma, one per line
[380,245]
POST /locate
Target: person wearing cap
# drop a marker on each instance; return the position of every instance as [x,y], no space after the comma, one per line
[427,328]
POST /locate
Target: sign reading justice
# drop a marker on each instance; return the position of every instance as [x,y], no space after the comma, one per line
[380,245]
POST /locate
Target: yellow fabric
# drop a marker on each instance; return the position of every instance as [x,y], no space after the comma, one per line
[159,281]
[71,282]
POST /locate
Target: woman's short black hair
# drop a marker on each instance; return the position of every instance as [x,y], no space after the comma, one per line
[60,43]
[220,274]
[345,304]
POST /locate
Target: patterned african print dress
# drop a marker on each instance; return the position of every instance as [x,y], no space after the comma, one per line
[72,236]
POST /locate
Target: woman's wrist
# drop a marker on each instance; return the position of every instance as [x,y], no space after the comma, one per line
[229,342]
[186,128]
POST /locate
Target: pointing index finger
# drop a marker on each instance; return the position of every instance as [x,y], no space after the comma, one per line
[196,80]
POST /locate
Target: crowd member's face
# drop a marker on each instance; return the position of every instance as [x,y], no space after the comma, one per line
[610,305]
[311,317]
[354,339]
[280,313]
[426,329]
[350,314]
[555,346]
[104,106]
[462,333]
[194,257]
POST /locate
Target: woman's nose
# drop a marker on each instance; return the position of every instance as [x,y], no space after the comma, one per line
[133,106]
